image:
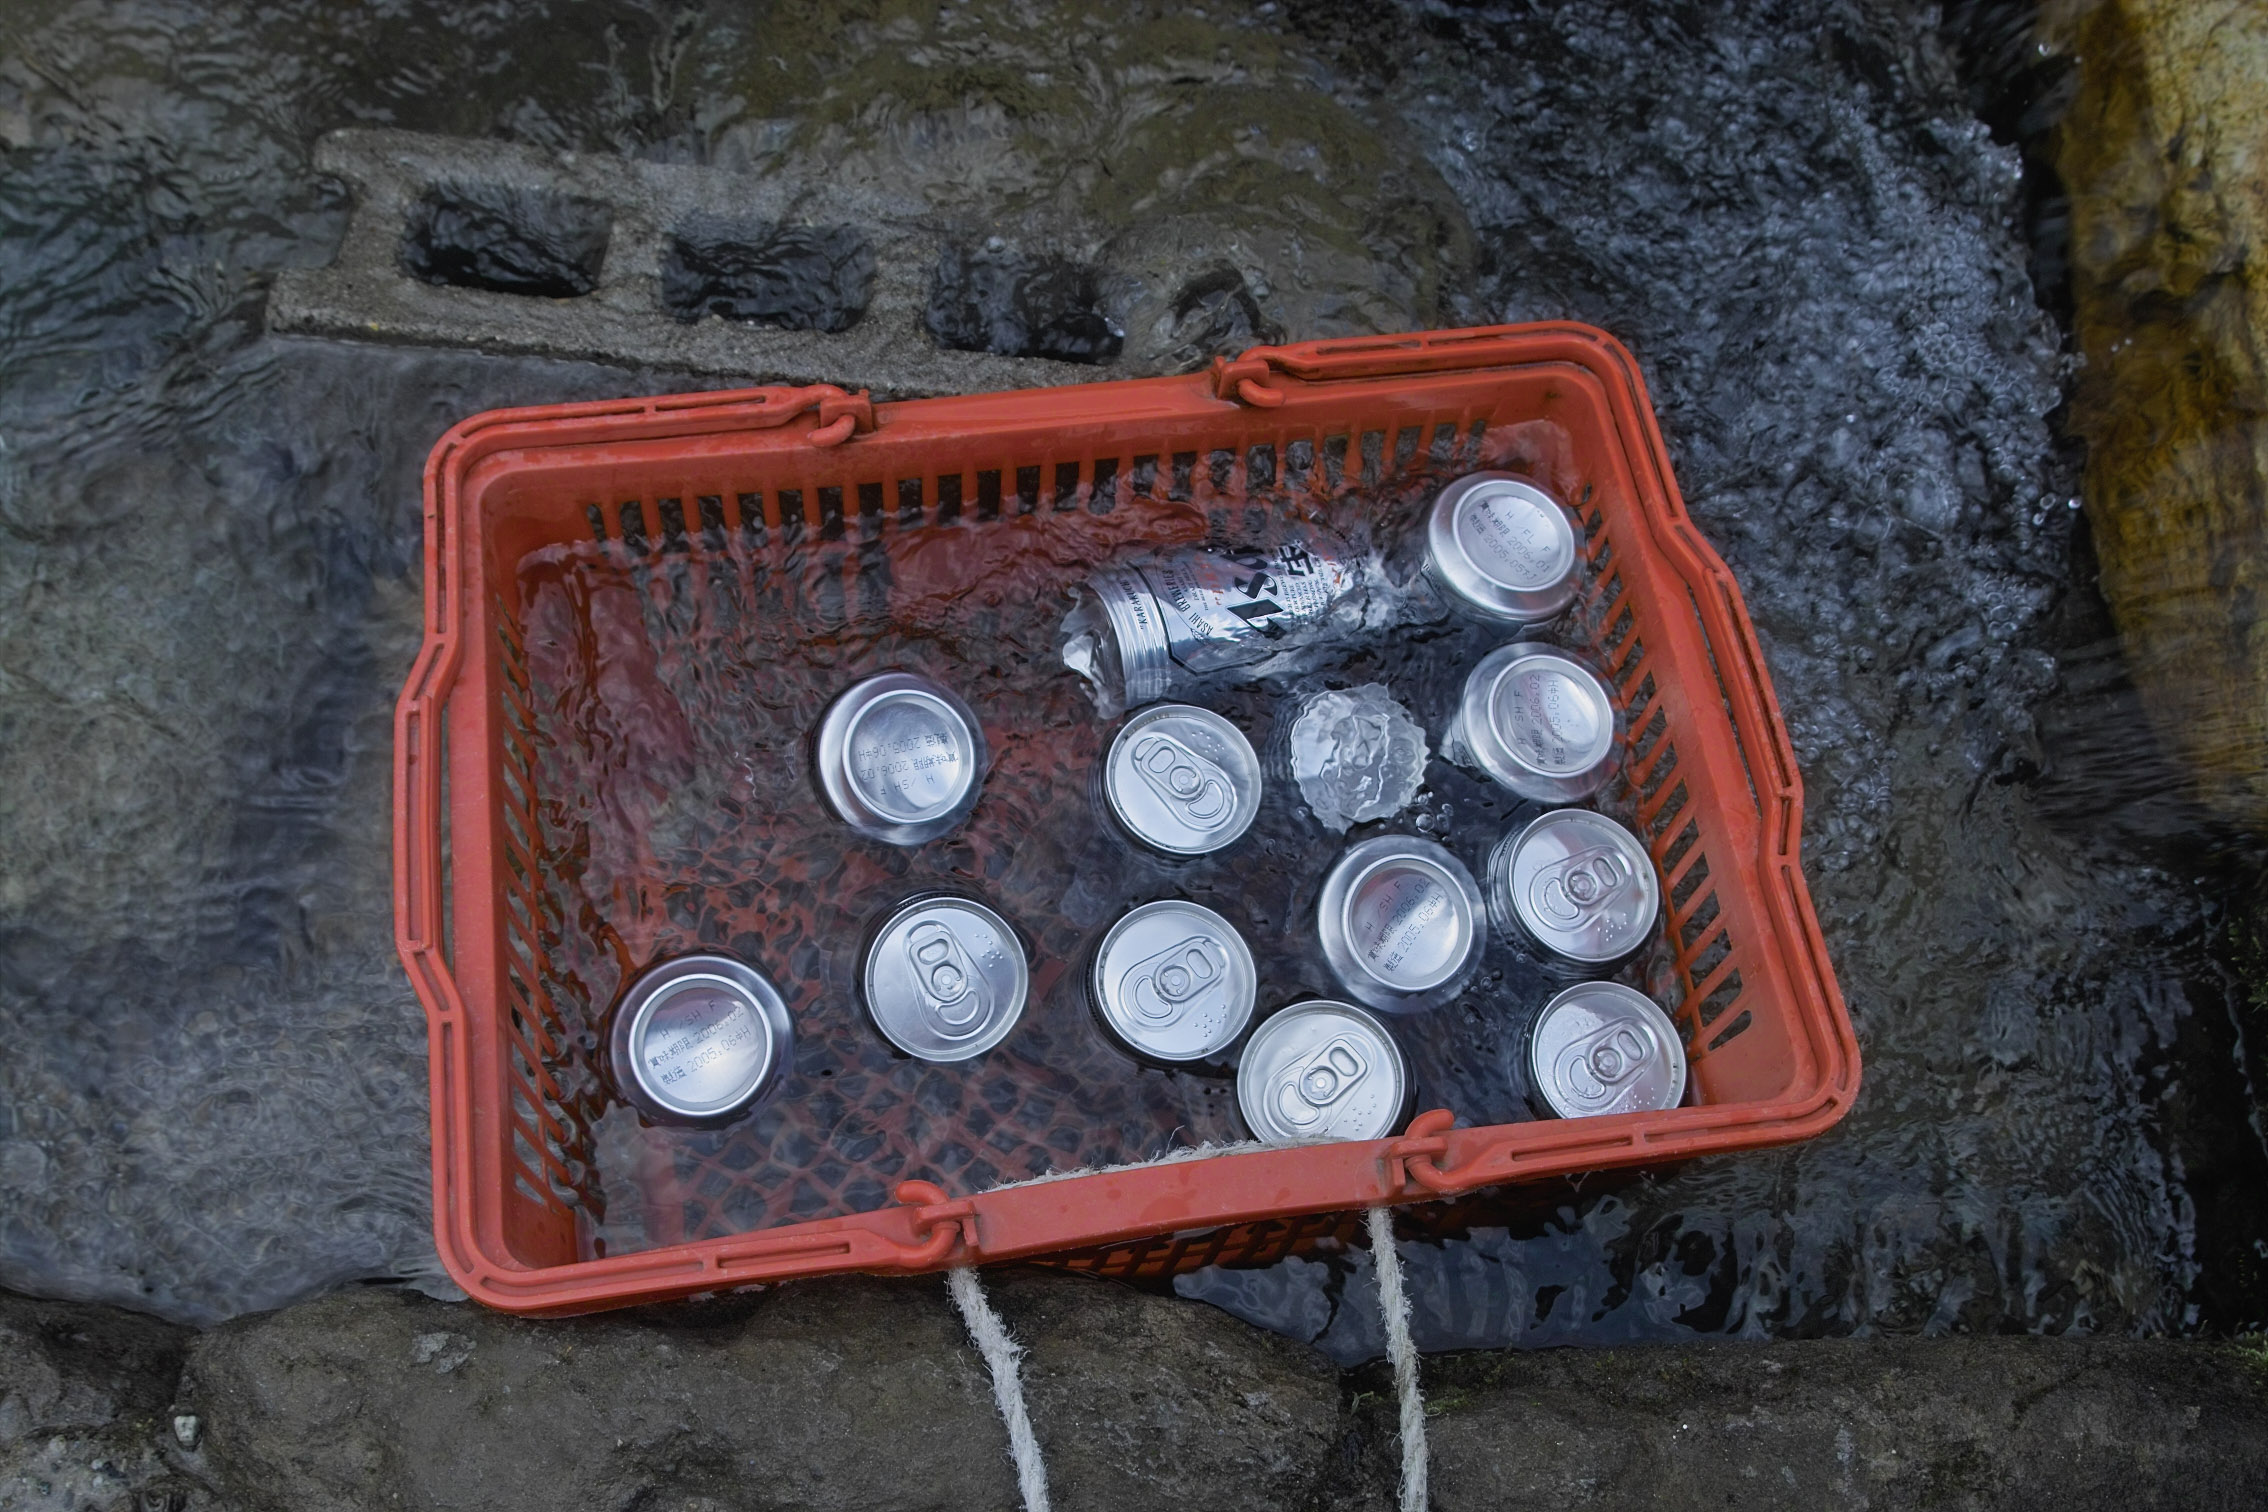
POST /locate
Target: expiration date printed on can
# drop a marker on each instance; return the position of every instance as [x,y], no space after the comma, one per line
[1421,901]
[706,1045]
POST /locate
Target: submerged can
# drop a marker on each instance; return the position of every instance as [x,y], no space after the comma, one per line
[1174,981]
[900,758]
[1400,922]
[1575,887]
[1321,1070]
[1502,550]
[945,979]
[1182,780]
[1537,720]
[699,1041]
[1601,1047]
[1141,631]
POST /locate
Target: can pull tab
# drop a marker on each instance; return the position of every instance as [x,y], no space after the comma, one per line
[1567,892]
[952,993]
[1594,1067]
[1177,981]
[1307,1092]
[1194,787]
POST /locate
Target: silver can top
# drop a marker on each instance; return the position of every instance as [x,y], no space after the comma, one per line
[1321,1070]
[1175,981]
[901,758]
[1503,549]
[945,979]
[1182,779]
[1576,883]
[1538,721]
[700,1040]
[1400,921]
[1600,1047]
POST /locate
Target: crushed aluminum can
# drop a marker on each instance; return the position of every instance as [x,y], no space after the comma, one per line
[945,979]
[1502,550]
[1601,1047]
[1173,981]
[1538,720]
[1143,631]
[699,1041]
[1400,922]
[900,758]
[1576,888]
[1321,1070]
[1182,780]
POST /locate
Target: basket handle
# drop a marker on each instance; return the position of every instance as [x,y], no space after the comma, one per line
[1246,378]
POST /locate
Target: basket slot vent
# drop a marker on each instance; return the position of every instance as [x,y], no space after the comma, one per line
[1220,470]
[1334,462]
[1622,674]
[631,517]
[830,514]
[1102,497]
[1659,823]
[949,498]
[1405,447]
[1602,553]
[597,516]
[988,494]
[1443,453]
[793,520]
[909,503]
[1142,481]
[1650,781]
[1476,440]
[1640,701]
[1731,1029]
[1687,838]
[1695,875]
[1066,485]
[1027,490]
[1259,468]
[1711,1008]
[1690,928]
[672,512]
[751,507]
[1618,632]
[1373,457]
[1184,485]
[869,511]
[1711,957]
[711,508]
[1299,463]
[1650,736]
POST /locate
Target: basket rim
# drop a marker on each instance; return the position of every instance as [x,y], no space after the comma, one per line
[925,1229]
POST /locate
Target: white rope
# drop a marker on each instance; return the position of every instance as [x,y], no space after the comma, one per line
[1000,1356]
[1394,1306]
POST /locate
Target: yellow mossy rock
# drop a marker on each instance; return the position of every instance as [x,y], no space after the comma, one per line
[2165,154]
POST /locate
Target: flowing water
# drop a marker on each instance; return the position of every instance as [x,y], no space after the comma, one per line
[213,1097]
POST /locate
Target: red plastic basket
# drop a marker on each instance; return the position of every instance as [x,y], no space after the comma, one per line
[1772,1055]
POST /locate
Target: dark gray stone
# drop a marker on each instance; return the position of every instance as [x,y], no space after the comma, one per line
[1880,1424]
[844,1394]
[86,1396]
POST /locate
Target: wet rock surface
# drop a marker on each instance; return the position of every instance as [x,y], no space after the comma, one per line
[867,1394]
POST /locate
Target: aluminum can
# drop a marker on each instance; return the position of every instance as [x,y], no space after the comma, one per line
[699,1041]
[1400,921]
[1576,888]
[1537,720]
[900,758]
[1502,550]
[1601,1047]
[1321,1070]
[945,979]
[1142,631]
[1174,981]
[1182,780]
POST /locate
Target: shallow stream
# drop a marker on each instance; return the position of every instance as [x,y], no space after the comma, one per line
[214,1095]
